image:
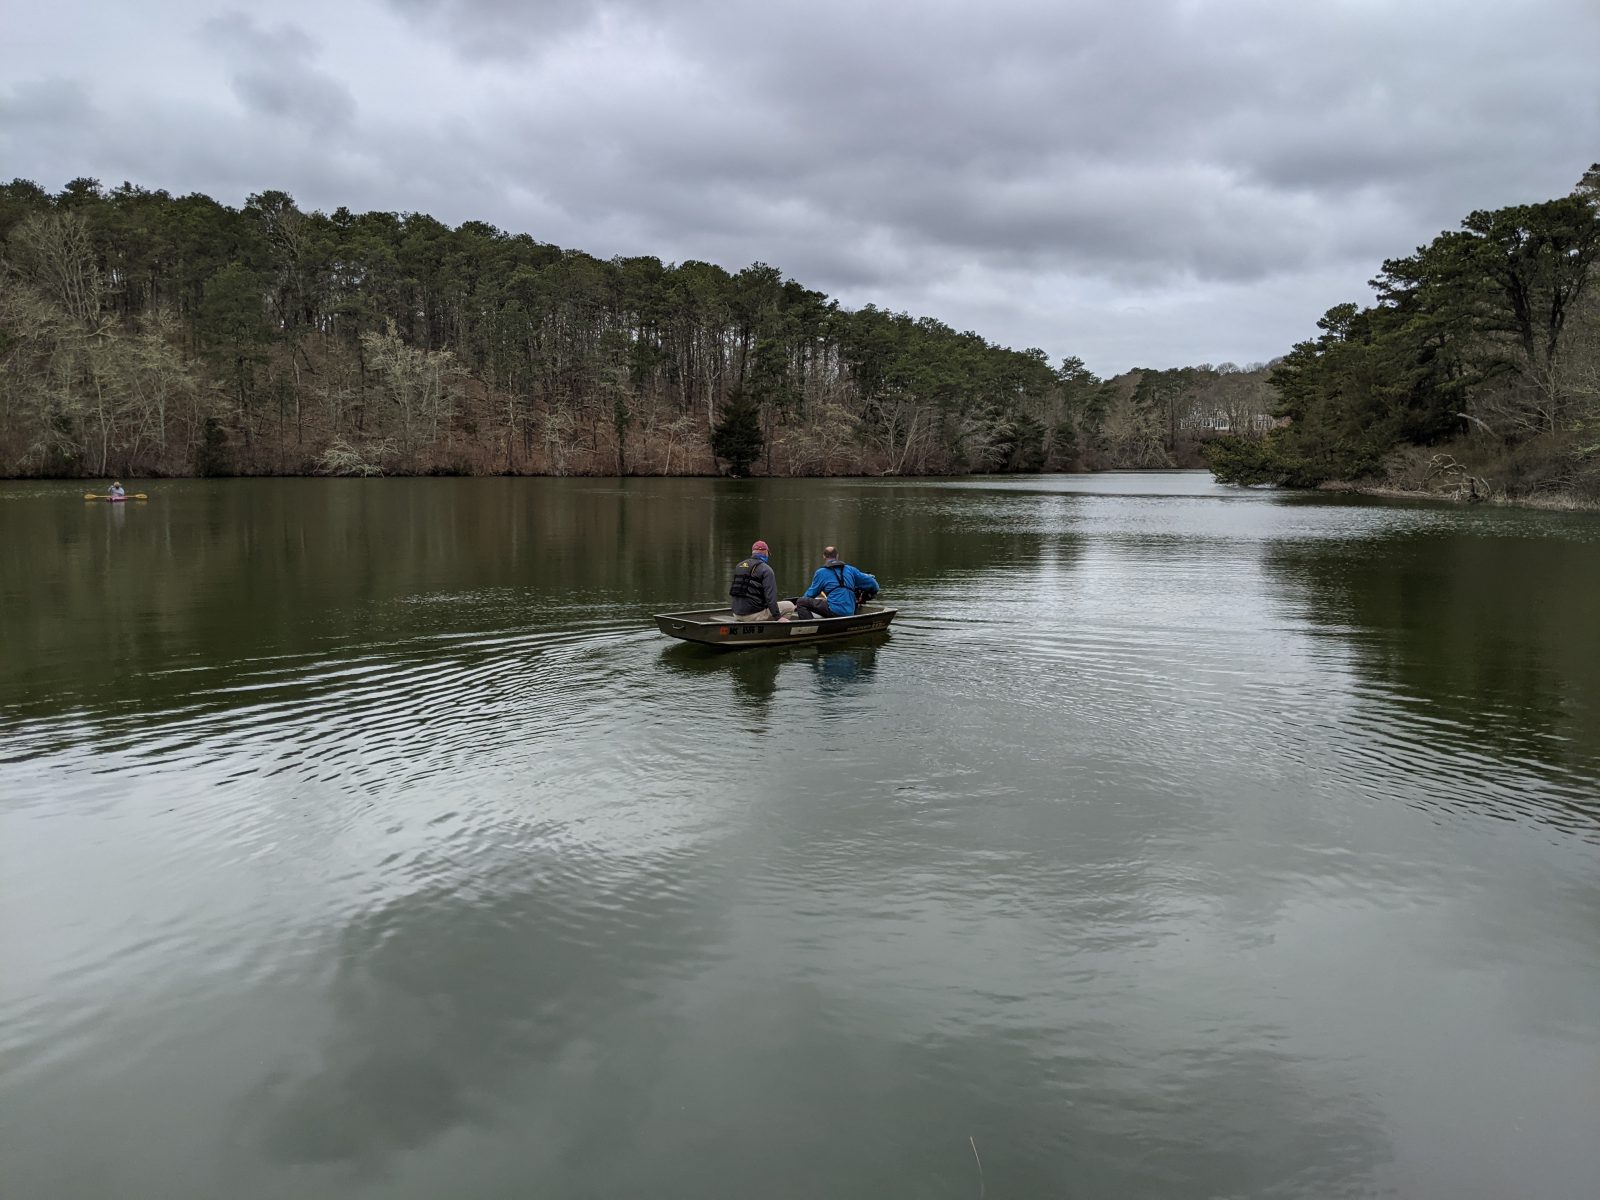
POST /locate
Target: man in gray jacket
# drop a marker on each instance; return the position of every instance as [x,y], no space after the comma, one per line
[755,588]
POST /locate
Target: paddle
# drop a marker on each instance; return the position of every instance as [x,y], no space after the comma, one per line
[103,496]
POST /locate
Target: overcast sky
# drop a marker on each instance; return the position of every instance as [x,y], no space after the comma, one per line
[1140,183]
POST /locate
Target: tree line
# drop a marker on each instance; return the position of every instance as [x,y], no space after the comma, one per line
[148,334]
[1475,373]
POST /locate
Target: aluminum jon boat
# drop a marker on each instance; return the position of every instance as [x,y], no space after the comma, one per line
[719,627]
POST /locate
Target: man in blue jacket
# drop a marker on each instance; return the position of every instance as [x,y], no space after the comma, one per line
[834,588]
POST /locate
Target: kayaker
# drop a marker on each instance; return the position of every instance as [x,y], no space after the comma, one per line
[755,588]
[836,588]
[116,492]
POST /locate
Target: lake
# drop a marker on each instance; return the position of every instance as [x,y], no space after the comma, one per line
[364,838]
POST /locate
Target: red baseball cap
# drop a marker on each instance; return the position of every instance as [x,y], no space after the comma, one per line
[759,547]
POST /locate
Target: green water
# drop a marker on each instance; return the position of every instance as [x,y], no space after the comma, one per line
[364,838]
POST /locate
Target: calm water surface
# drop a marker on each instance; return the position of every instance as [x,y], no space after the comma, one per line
[364,839]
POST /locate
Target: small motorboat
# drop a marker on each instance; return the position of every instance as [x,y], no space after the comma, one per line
[719,627]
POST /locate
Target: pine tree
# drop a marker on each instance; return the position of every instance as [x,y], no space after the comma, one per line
[737,437]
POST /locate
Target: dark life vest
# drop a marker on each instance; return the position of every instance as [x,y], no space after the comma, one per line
[747,585]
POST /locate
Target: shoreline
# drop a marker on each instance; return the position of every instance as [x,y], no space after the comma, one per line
[1554,502]
[886,475]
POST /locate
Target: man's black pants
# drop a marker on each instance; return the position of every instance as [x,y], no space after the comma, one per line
[817,607]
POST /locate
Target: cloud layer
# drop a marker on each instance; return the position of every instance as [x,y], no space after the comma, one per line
[1151,182]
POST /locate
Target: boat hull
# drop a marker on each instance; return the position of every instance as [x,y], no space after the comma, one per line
[719,627]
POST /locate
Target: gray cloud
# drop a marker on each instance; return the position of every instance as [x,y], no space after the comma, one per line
[272,72]
[1152,182]
[51,102]
[513,29]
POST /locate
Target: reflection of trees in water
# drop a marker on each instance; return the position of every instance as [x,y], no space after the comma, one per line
[444,1000]
[308,566]
[1496,636]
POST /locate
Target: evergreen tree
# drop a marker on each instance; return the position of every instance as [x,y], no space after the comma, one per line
[737,437]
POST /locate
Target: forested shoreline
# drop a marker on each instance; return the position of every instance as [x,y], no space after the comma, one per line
[1475,375]
[145,334]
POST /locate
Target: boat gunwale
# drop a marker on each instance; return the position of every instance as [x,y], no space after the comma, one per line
[722,616]
[719,628]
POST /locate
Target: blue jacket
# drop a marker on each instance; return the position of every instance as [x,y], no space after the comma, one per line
[839,581]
